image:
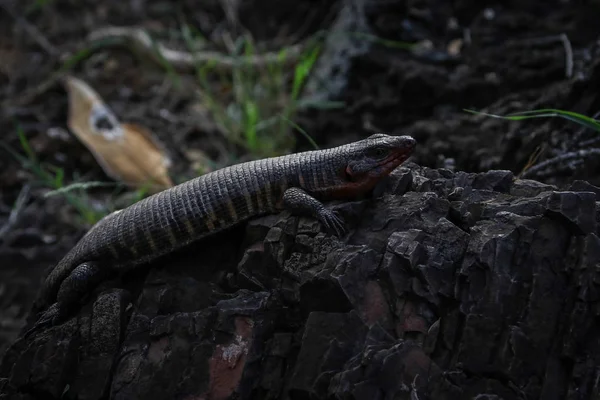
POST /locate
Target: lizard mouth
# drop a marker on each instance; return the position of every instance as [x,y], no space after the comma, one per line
[382,168]
[395,160]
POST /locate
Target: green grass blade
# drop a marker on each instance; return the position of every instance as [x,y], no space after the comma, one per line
[547,113]
[25,144]
[282,55]
[302,131]
[303,69]
[59,176]
[78,186]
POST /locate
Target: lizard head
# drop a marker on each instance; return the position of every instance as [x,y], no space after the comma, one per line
[370,160]
[376,156]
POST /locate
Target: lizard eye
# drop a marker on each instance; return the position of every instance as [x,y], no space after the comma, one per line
[378,152]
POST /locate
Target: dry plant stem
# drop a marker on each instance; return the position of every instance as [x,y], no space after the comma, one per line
[564,39]
[590,142]
[532,160]
[563,158]
[141,41]
[578,143]
[230,7]
[568,55]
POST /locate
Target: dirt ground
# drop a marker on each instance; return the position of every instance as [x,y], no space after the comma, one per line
[498,57]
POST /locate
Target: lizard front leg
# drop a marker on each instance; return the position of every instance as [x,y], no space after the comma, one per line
[297,200]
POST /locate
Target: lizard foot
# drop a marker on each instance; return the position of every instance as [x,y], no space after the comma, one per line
[333,222]
[298,201]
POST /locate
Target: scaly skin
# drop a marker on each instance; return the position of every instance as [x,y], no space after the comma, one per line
[216,201]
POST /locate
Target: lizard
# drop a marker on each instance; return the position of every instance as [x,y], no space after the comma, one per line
[213,202]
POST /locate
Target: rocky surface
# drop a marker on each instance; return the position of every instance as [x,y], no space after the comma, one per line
[491,56]
[448,286]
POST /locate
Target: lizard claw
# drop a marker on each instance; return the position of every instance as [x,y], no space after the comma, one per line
[333,222]
[46,320]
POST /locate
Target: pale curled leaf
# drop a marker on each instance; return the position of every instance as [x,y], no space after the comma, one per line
[127,152]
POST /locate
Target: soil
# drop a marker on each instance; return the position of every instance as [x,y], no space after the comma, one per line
[498,57]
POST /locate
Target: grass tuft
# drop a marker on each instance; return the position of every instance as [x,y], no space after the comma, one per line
[255,106]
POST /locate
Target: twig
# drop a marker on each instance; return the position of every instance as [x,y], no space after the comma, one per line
[551,172]
[414,393]
[564,39]
[532,159]
[572,156]
[230,7]
[140,40]
[16,211]
[577,136]
[568,55]
[590,142]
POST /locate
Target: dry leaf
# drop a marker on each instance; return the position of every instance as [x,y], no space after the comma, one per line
[127,152]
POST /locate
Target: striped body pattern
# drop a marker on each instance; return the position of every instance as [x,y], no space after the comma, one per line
[211,203]
[178,216]
[203,206]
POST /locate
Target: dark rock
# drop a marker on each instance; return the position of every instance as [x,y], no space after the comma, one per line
[529,188]
[498,181]
[578,208]
[375,373]
[448,286]
[583,186]
[324,351]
